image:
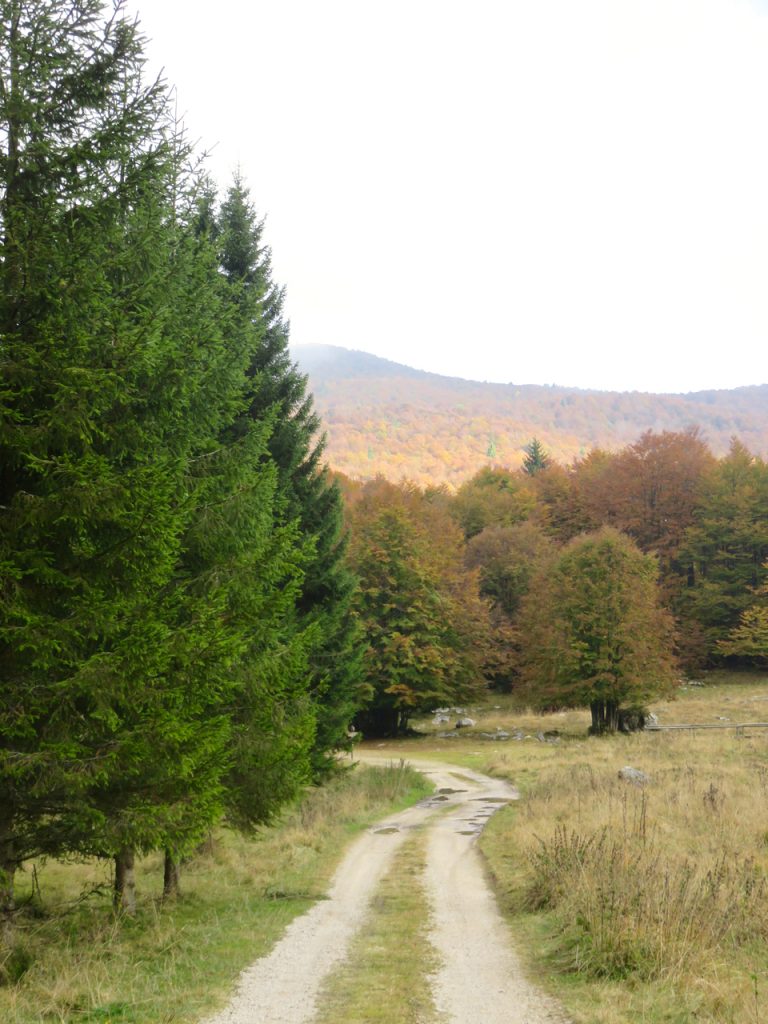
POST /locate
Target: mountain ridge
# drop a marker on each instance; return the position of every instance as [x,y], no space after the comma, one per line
[385,417]
[315,357]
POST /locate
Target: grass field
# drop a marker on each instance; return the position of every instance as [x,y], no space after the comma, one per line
[630,903]
[633,903]
[74,962]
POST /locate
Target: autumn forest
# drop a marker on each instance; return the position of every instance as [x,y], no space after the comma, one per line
[508,546]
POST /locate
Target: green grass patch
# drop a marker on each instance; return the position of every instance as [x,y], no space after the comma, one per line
[385,979]
[73,962]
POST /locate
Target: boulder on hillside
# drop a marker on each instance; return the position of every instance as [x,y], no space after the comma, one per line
[634,775]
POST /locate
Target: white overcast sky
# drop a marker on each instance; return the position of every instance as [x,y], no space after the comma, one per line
[548,191]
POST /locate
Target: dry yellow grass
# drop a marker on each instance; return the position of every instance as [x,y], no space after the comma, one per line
[636,904]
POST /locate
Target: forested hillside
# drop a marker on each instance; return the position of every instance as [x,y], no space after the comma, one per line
[382,417]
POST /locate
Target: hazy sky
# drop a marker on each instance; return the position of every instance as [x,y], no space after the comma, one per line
[548,191]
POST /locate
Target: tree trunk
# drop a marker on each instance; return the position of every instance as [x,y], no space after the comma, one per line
[597,707]
[611,716]
[11,241]
[383,721]
[7,901]
[605,716]
[125,883]
[171,877]
[8,865]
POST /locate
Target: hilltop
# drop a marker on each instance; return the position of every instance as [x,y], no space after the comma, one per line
[384,417]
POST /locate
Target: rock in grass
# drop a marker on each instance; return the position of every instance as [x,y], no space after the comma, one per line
[633,775]
[465,723]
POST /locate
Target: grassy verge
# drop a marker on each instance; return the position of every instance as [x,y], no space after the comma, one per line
[635,904]
[384,980]
[176,962]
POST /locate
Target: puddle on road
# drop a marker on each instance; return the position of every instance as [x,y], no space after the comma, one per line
[386,831]
[490,799]
[447,789]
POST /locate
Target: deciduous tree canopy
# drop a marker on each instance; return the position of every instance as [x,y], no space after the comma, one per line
[594,633]
[424,623]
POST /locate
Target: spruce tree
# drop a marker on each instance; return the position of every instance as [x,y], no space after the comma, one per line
[90,491]
[309,497]
[142,569]
[536,458]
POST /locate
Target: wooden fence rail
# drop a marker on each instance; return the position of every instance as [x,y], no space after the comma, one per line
[713,725]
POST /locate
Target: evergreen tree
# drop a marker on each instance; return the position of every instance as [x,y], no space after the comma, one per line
[100,402]
[536,458]
[726,546]
[307,494]
[146,583]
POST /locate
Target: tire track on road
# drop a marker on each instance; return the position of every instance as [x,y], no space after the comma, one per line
[480,978]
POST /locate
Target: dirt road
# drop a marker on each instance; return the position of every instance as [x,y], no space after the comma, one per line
[480,978]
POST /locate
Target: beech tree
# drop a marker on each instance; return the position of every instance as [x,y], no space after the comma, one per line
[749,638]
[571,501]
[593,631]
[507,557]
[651,491]
[425,626]
[493,497]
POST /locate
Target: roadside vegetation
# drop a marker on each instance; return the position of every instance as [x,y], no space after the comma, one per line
[74,961]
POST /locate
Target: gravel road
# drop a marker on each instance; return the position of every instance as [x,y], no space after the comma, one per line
[480,978]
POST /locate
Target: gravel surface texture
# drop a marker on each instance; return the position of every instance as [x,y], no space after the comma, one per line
[480,978]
